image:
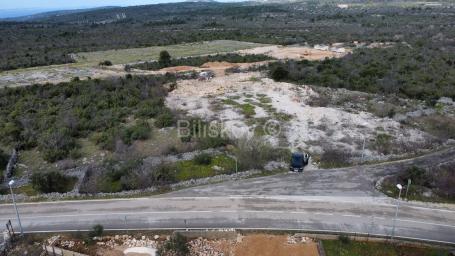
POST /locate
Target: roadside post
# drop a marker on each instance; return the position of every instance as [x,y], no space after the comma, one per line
[400,187]
[10,184]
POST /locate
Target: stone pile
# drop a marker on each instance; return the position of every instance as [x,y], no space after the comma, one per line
[298,238]
[128,241]
[204,247]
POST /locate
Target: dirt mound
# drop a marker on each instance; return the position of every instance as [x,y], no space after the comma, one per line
[219,65]
[266,245]
[178,69]
[294,52]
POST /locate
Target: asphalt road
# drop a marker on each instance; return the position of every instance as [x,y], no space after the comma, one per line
[331,200]
[366,215]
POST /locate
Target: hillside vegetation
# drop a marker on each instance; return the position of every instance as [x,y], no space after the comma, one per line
[52,117]
[422,72]
[305,22]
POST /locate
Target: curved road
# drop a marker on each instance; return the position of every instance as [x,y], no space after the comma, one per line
[332,200]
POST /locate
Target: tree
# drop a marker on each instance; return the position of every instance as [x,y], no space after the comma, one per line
[279,73]
[165,58]
[3,160]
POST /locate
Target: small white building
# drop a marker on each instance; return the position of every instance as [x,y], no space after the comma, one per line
[321,47]
[338,49]
[343,6]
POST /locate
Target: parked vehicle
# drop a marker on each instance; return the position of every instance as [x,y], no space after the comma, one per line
[299,161]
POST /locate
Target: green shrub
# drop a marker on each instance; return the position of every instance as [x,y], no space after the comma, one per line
[105,63]
[200,60]
[418,176]
[383,143]
[53,181]
[165,58]
[4,158]
[106,140]
[279,73]
[203,159]
[248,110]
[56,144]
[163,175]
[139,131]
[254,153]
[165,119]
[335,158]
[177,245]
[96,231]
[344,239]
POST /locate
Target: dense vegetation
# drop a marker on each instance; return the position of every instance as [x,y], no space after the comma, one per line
[433,184]
[52,182]
[200,60]
[50,40]
[419,72]
[52,117]
[345,247]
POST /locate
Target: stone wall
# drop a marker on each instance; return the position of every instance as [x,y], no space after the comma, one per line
[76,195]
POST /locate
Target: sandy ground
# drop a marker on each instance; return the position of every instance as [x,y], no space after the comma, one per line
[66,72]
[293,52]
[269,245]
[314,129]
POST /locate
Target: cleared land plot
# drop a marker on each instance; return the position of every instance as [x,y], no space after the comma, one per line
[152,53]
[87,65]
[294,52]
[245,102]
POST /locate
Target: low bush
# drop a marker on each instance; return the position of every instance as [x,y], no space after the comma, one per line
[56,144]
[4,158]
[50,182]
[105,63]
[200,60]
[254,153]
[96,231]
[203,159]
[166,119]
[52,117]
[139,131]
[177,246]
[334,158]
[163,175]
[279,73]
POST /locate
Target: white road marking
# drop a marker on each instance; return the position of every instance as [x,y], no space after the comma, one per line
[222,212]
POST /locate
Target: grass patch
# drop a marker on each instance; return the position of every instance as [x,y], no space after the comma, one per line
[27,189]
[152,53]
[187,170]
[231,102]
[248,110]
[352,248]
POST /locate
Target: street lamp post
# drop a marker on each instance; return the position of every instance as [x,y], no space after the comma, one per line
[400,188]
[10,184]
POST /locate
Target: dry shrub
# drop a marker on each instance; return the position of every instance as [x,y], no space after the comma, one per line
[254,153]
[335,158]
[440,126]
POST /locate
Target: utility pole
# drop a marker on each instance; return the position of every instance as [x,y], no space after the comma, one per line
[400,187]
[407,189]
[363,149]
[10,184]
